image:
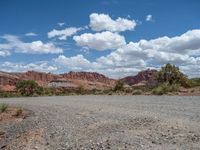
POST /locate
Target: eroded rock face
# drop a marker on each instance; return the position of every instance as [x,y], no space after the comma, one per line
[41,77]
[147,75]
[88,79]
[89,76]
[8,79]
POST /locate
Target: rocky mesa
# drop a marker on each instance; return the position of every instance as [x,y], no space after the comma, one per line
[89,80]
[86,79]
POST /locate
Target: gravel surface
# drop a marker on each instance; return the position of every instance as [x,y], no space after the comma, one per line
[105,122]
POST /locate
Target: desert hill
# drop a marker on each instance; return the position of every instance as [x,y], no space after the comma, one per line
[146,77]
[72,79]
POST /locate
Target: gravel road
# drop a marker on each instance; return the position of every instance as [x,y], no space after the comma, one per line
[105,122]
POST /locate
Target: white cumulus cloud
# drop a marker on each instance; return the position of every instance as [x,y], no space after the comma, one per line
[128,59]
[100,41]
[101,22]
[36,47]
[63,34]
[75,62]
[22,67]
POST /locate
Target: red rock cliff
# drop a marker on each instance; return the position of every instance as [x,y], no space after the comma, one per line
[44,78]
[147,75]
[88,76]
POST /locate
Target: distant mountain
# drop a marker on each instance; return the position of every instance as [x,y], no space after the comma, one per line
[87,79]
[88,76]
[143,77]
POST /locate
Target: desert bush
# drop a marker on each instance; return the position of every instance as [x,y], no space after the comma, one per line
[18,112]
[160,90]
[137,92]
[5,94]
[119,86]
[40,90]
[174,88]
[3,107]
[81,90]
[105,91]
[191,83]
[128,90]
[165,88]
[171,74]
[28,87]
[49,91]
[142,88]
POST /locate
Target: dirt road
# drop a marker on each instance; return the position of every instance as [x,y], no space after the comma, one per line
[105,122]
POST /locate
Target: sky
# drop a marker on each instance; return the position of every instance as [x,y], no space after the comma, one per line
[114,37]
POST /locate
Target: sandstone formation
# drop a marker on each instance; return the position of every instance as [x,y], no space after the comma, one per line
[86,79]
[89,80]
[146,76]
[41,77]
[89,76]
[8,79]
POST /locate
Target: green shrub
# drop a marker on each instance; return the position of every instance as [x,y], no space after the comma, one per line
[165,88]
[142,88]
[174,88]
[5,94]
[3,107]
[128,90]
[105,91]
[172,75]
[191,83]
[28,87]
[160,90]
[48,91]
[119,86]
[137,92]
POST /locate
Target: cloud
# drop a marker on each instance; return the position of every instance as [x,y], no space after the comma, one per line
[128,59]
[100,41]
[192,70]
[102,22]
[167,49]
[80,63]
[31,34]
[4,53]
[157,52]
[124,59]
[61,24]
[4,50]
[75,62]
[22,67]
[63,34]
[35,47]
[149,17]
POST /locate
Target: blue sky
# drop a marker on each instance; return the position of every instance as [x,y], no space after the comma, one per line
[113,37]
